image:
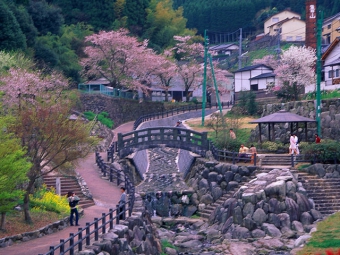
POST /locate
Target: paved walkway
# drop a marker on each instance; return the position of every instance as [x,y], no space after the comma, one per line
[105,194]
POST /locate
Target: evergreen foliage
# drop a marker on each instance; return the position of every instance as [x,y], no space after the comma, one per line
[11,35]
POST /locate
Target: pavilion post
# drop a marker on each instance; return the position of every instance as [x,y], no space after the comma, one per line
[260,133]
[269,136]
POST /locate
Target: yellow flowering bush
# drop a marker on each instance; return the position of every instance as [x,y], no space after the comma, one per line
[46,200]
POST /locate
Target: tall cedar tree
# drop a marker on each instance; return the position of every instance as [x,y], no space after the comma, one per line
[11,35]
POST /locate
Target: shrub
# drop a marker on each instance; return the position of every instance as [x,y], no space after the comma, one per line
[47,200]
[325,152]
[270,146]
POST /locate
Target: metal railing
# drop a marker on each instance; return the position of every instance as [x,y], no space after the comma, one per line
[187,108]
[100,225]
[231,156]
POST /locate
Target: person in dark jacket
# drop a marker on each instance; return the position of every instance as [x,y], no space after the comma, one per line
[73,202]
[122,202]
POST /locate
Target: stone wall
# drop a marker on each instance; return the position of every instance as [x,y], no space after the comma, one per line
[326,171]
[135,235]
[211,180]
[47,230]
[330,120]
[119,110]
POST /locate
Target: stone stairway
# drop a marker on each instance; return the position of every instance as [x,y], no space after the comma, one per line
[69,183]
[208,210]
[324,192]
[276,159]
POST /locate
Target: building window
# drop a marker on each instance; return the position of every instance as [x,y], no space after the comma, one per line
[276,19]
[254,87]
[330,74]
[329,26]
[337,73]
[299,38]
[289,38]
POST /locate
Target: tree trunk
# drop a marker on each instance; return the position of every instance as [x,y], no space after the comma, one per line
[3,221]
[28,218]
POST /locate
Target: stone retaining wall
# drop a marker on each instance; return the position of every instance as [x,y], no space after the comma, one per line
[326,171]
[120,110]
[47,230]
[330,119]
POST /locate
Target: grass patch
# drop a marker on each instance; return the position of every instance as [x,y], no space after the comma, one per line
[327,237]
[302,166]
[166,244]
[15,222]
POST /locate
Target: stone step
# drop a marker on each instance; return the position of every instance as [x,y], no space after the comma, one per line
[69,184]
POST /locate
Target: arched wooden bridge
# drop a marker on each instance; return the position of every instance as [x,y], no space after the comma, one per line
[167,136]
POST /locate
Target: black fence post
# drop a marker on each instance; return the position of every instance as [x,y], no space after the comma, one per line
[292,159]
[71,243]
[111,218]
[111,174]
[103,223]
[62,246]
[117,214]
[51,250]
[80,239]
[234,158]
[118,178]
[255,159]
[96,229]
[88,238]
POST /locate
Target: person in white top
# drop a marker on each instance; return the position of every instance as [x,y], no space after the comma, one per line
[292,146]
[297,152]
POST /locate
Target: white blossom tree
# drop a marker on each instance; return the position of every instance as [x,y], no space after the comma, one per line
[294,70]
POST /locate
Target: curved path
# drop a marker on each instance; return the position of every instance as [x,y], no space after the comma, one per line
[105,194]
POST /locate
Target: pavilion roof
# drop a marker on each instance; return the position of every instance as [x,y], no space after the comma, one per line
[282,116]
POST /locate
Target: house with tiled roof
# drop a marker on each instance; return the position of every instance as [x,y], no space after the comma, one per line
[278,17]
[331,65]
[331,28]
[254,78]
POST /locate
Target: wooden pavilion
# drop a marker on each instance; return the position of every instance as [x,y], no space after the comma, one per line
[281,116]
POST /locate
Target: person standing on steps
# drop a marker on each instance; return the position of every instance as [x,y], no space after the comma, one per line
[73,202]
[292,146]
[122,202]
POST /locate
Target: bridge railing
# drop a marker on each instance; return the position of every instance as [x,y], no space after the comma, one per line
[169,136]
[187,108]
[100,225]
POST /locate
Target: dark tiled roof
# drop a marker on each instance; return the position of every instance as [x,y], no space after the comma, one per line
[282,117]
[263,75]
[248,68]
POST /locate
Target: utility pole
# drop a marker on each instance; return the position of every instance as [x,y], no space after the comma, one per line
[215,85]
[318,72]
[240,51]
[204,88]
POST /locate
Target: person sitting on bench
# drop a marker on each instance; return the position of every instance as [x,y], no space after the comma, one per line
[242,153]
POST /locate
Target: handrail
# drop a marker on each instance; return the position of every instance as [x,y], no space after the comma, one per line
[187,108]
[99,225]
[233,156]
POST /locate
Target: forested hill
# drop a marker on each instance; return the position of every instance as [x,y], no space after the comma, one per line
[230,15]
[52,32]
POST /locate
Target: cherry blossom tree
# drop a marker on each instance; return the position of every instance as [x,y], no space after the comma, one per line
[191,76]
[119,58]
[294,70]
[164,72]
[42,124]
